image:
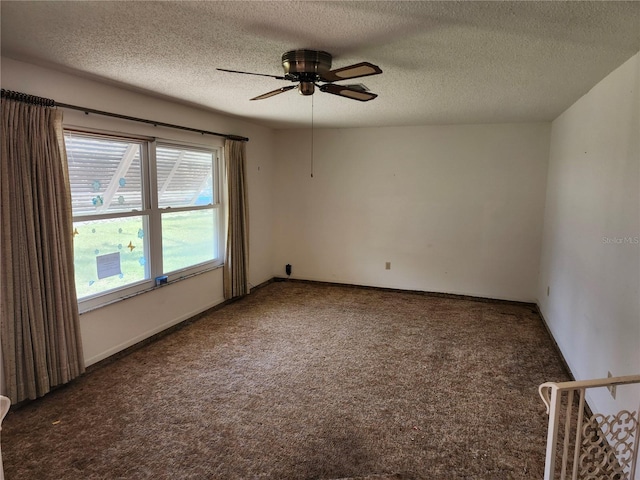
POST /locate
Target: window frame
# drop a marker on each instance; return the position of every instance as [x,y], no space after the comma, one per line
[152,216]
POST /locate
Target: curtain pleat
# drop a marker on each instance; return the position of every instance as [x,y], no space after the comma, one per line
[39,322]
[236,266]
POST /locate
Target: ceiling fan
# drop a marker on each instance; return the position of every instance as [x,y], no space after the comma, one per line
[309,67]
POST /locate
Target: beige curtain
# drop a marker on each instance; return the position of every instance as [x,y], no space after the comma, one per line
[236,266]
[39,324]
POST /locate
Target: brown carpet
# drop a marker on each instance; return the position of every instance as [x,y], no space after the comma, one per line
[306,381]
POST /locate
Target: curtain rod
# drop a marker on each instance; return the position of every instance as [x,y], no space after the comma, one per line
[47,102]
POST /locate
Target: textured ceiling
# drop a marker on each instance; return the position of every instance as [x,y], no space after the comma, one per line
[443,62]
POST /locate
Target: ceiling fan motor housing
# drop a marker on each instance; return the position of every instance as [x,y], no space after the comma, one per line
[306,65]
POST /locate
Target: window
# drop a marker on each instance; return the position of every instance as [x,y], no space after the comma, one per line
[141,209]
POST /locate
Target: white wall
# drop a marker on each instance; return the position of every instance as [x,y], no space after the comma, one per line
[112,328]
[455,209]
[591,254]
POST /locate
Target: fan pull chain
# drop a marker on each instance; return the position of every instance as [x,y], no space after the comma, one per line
[311,136]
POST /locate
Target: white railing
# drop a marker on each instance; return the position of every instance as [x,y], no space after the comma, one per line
[585,445]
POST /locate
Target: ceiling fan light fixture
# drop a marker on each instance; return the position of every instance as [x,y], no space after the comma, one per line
[306,88]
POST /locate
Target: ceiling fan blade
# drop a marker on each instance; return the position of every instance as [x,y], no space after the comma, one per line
[361,87]
[362,69]
[343,91]
[249,73]
[274,92]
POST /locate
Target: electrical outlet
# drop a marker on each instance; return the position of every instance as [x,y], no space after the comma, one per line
[387,266]
[611,388]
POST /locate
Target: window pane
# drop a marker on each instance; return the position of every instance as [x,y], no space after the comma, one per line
[109,254]
[105,174]
[184,177]
[188,238]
